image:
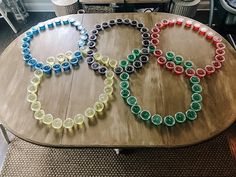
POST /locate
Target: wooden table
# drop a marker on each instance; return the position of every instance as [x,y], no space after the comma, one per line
[155,88]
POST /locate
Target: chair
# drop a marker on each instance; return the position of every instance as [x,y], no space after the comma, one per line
[3,14]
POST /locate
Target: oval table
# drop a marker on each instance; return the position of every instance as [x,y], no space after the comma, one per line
[156,89]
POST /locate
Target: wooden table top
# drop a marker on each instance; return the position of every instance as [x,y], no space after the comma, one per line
[156,89]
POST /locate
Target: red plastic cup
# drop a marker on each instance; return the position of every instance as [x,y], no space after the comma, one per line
[178,69]
[200,72]
[165,22]
[159,25]
[170,65]
[155,30]
[196,26]
[161,60]
[220,52]
[155,35]
[219,58]
[158,53]
[155,41]
[188,23]
[189,72]
[216,39]
[216,64]
[172,22]
[202,31]
[220,45]
[209,35]
[179,21]
[209,69]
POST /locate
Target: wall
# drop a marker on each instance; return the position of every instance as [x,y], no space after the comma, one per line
[38,5]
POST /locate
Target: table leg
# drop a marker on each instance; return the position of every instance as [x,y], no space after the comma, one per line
[4,132]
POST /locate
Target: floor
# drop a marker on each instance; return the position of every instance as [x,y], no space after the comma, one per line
[7,36]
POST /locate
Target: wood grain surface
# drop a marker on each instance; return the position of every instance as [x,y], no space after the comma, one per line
[156,89]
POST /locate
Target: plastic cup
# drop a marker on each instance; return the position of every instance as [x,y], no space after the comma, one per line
[47,69]
[202,31]
[189,72]
[131,58]
[69,55]
[32,88]
[196,88]
[209,35]
[32,97]
[178,69]
[102,70]
[196,26]
[188,64]
[35,81]
[200,72]
[191,114]
[50,61]
[129,69]
[220,45]
[169,121]
[136,52]
[151,48]
[179,21]
[112,63]
[145,43]
[137,64]
[98,106]
[155,35]
[194,80]
[220,58]
[123,63]
[66,66]
[125,93]
[144,59]
[216,39]
[196,97]
[209,69]
[48,119]
[118,70]
[131,100]
[172,22]
[220,52]
[61,57]
[158,53]
[155,41]
[38,73]
[57,68]
[68,123]
[196,106]
[79,119]
[144,51]
[124,85]
[110,74]
[136,109]
[155,30]
[180,117]
[35,106]
[74,62]
[170,65]
[39,115]
[103,98]
[89,113]
[57,123]
[95,66]
[188,23]
[105,60]
[170,56]
[178,60]
[145,115]
[161,60]
[108,82]
[216,64]
[124,76]
[165,22]
[156,119]
[108,90]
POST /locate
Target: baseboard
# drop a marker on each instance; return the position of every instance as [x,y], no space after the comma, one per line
[39,7]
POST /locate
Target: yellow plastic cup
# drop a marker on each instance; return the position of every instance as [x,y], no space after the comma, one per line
[103,98]
[98,106]
[38,73]
[69,55]
[57,123]
[50,60]
[68,123]
[35,81]
[90,113]
[105,60]
[97,56]
[32,88]
[79,119]
[39,115]
[48,119]
[84,50]
[35,106]
[61,57]
[110,74]
[32,97]
[108,90]
[112,63]
[108,82]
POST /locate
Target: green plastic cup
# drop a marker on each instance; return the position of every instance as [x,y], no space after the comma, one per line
[123,63]
[156,119]
[191,114]
[196,97]
[170,56]
[124,85]
[151,48]
[194,80]
[195,106]
[180,117]
[145,115]
[131,100]
[196,88]
[136,109]
[124,76]
[125,93]
[188,64]
[169,121]
[136,52]
[131,58]
[178,60]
